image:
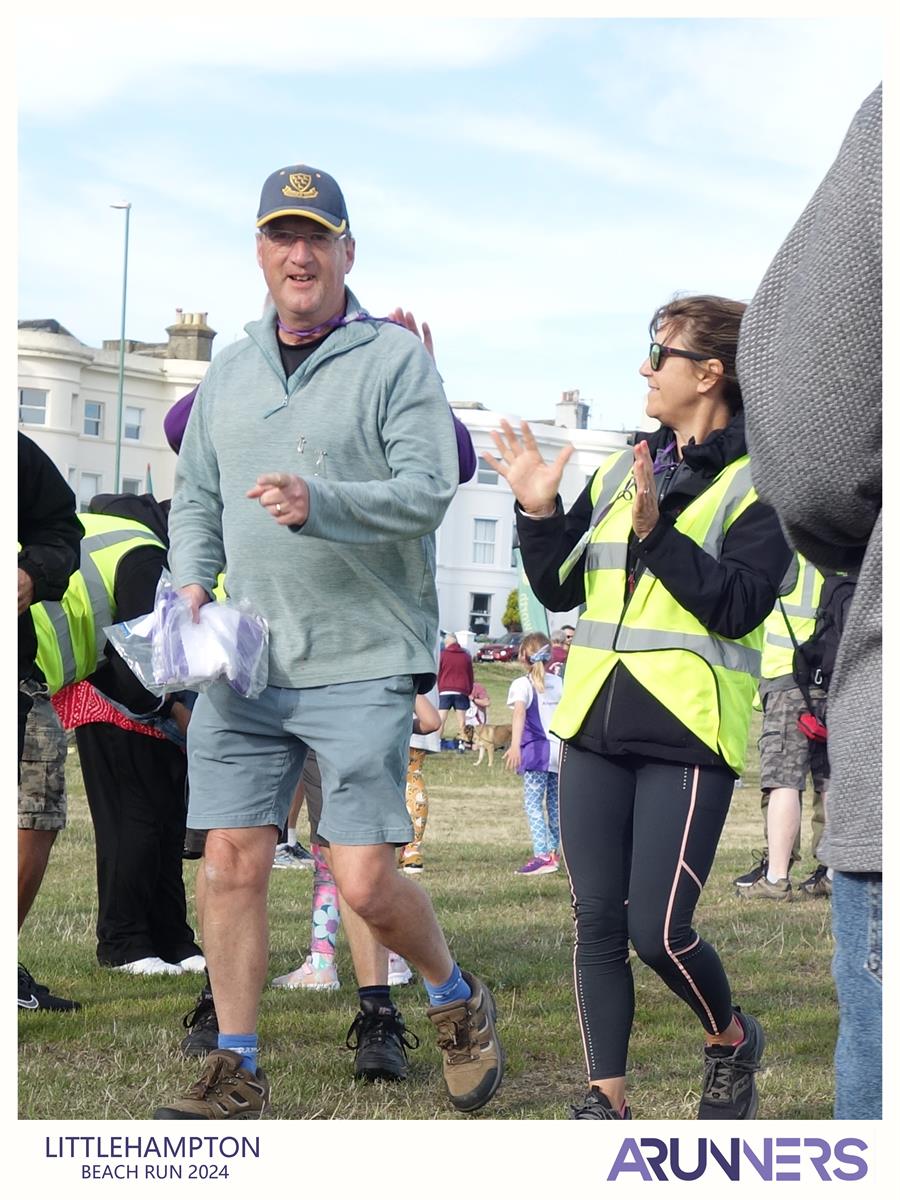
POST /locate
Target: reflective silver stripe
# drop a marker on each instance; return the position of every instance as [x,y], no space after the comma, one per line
[600,635]
[778,639]
[609,556]
[63,635]
[615,475]
[737,489]
[804,607]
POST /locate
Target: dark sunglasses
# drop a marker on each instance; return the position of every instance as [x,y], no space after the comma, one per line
[659,352]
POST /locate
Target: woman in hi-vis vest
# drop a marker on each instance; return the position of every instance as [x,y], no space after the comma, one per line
[677,564]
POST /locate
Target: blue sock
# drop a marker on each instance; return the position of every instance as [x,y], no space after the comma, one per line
[454,988]
[245,1044]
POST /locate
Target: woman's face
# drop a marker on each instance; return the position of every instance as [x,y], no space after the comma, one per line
[672,388]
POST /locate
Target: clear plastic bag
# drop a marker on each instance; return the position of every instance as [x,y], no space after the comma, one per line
[169,652]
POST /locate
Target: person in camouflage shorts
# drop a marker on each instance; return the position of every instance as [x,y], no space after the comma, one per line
[42,787]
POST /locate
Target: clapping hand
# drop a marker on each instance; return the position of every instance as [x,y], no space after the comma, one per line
[534,483]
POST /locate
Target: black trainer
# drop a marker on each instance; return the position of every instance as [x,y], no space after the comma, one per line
[729,1086]
[202,1027]
[757,871]
[34,996]
[596,1106]
[381,1042]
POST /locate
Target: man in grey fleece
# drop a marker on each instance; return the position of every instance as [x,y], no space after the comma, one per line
[318,460]
[809,363]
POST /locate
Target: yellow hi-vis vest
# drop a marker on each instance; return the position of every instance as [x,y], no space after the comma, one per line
[69,632]
[800,605]
[706,681]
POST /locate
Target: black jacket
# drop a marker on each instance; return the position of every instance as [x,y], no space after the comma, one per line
[729,596]
[50,536]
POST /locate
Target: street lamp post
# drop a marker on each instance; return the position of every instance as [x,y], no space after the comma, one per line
[121,389]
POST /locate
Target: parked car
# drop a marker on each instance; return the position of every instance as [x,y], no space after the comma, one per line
[505,649]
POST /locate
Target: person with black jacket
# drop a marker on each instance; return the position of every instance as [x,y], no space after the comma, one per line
[49,539]
[677,564]
[135,780]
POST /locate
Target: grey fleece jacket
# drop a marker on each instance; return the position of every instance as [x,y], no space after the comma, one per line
[364,420]
[809,362]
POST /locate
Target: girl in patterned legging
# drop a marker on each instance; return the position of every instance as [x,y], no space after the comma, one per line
[534,752]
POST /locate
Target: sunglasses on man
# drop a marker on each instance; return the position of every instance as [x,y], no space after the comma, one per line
[658,352]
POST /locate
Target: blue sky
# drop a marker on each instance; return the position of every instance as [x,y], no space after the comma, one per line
[533,188]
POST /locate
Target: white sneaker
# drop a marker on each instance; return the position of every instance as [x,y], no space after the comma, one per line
[323,979]
[292,857]
[149,966]
[399,970]
[195,963]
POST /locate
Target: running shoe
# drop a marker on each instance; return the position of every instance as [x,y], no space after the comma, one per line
[313,979]
[196,964]
[380,1041]
[765,889]
[202,1027]
[292,858]
[729,1084]
[541,864]
[757,871]
[399,970]
[597,1107]
[149,966]
[34,997]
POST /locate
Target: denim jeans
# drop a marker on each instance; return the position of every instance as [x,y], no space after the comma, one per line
[856,967]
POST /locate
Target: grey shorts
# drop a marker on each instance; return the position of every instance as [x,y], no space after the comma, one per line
[42,781]
[245,758]
[787,756]
[312,795]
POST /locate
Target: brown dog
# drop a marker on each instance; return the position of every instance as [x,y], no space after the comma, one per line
[490,738]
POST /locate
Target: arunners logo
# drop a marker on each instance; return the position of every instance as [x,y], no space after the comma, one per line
[32,1003]
[300,187]
[782,1159]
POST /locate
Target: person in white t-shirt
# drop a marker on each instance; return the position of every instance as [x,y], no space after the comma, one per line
[534,751]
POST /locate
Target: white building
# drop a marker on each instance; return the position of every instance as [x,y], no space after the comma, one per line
[68,404]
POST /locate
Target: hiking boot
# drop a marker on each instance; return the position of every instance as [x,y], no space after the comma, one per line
[34,996]
[817,885]
[202,1027]
[757,871]
[313,979]
[381,1042]
[292,858]
[597,1107]
[224,1092]
[467,1037]
[541,864]
[765,889]
[729,1087]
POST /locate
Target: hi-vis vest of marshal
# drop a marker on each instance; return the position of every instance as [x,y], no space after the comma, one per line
[800,605]
[69,632]
[706,681]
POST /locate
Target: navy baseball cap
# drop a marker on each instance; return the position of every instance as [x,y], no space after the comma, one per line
[302,191]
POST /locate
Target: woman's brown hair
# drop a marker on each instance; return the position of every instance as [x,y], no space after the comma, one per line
[710,326]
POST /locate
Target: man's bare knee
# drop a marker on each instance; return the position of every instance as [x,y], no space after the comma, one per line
[232,862]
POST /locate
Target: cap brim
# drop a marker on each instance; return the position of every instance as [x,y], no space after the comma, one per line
[302,212]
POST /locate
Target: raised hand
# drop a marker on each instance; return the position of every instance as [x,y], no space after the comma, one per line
[535,483]
[644,508]
[407,319]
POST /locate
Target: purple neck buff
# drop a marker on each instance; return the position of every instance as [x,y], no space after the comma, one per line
[334,323]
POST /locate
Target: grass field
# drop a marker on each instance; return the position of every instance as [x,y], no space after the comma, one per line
[118,1058]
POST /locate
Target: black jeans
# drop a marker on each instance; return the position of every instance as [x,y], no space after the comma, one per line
[135,788]
[639,837]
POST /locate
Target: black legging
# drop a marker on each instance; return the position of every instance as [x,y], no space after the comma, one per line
[639,837]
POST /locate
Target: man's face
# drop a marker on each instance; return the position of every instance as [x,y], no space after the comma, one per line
[305,277]
[568,634]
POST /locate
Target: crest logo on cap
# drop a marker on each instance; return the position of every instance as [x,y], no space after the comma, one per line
[300,187]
